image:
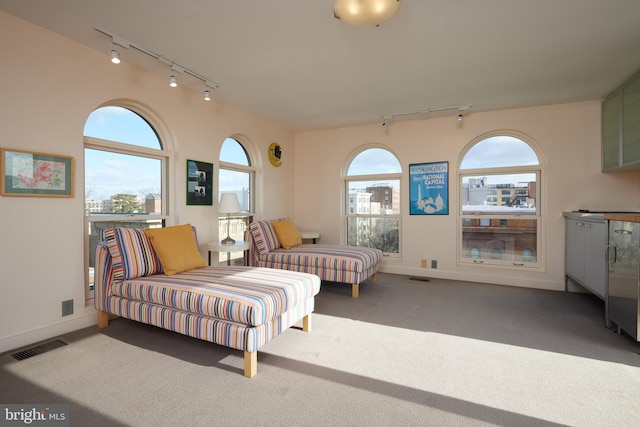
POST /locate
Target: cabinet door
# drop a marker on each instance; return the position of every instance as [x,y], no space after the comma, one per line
[624,276]
[611,124]
[574,257]
[631,123]
[595,264]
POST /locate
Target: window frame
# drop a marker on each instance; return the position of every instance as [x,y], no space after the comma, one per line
[164,154]
[539,215]
[344,196]
[252,171]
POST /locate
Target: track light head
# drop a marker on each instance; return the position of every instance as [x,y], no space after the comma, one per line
[115,56]
[207,95]
[460,117]
[385,122]
[173,82]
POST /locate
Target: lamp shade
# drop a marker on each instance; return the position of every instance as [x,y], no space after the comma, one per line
[229,203]
[365,12]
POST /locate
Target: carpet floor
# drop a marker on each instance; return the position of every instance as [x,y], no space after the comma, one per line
[406,353]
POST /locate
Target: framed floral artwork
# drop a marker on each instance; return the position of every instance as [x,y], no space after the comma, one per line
[27,173]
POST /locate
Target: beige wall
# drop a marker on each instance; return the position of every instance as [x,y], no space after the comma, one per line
[568,135]
[48,87]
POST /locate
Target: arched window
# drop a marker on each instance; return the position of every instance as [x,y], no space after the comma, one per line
[125,169]
[372,200]
[500,192]
[236,175]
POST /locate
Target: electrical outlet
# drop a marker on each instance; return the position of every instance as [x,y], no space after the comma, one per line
[67,307]
[423,263]
[434,263]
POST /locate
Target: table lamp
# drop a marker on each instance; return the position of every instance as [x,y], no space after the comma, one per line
[229,204]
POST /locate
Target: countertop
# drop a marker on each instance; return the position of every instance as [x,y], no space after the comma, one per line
[587,216]
[629,217]
[603,216]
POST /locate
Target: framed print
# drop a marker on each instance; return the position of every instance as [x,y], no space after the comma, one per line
[199,183]
[27,173]
[429,188]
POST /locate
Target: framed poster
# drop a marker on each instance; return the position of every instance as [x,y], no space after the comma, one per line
[429,188]
[27,173]
[199,183]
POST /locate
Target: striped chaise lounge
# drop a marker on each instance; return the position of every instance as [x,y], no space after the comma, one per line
[238,307]
[334,263]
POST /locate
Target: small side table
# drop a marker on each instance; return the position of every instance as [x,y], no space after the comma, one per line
[239,245]
[313,235]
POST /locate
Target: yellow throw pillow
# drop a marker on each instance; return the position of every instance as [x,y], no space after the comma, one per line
[287,233]
[176,247]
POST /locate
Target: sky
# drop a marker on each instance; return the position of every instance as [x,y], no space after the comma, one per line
[110,173]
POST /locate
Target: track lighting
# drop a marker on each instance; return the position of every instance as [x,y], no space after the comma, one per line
[115,56]
[460,108]
[175,68]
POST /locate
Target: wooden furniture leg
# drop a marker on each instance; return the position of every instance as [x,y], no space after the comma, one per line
[306,323]
[374,277]
[250,364]
[355,290]
[103,319]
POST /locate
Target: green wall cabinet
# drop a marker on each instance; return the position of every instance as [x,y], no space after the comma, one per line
[621,128]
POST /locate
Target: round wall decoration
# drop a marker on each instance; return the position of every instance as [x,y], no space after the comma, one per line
[275,154]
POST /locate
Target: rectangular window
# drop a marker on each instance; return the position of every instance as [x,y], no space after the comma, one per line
[373,219]
[234,225]
[122,184]
[121,190]
[503,232]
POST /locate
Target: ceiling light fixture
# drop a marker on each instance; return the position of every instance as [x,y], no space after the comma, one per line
[173,82]
[365,12]
[207,95]
[115,56]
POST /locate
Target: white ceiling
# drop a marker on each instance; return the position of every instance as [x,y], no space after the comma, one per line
[292,62]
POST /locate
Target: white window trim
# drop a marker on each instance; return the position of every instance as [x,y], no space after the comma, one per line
[346,179]
[541,199]
[166,157]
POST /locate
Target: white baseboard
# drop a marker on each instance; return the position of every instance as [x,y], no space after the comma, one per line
[480,276]
[25,338]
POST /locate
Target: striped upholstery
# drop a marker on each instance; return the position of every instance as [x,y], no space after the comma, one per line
[334,263]
[103,276]
[238,307]
[228,334]
[247,295]
[264,237]
[131,252]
